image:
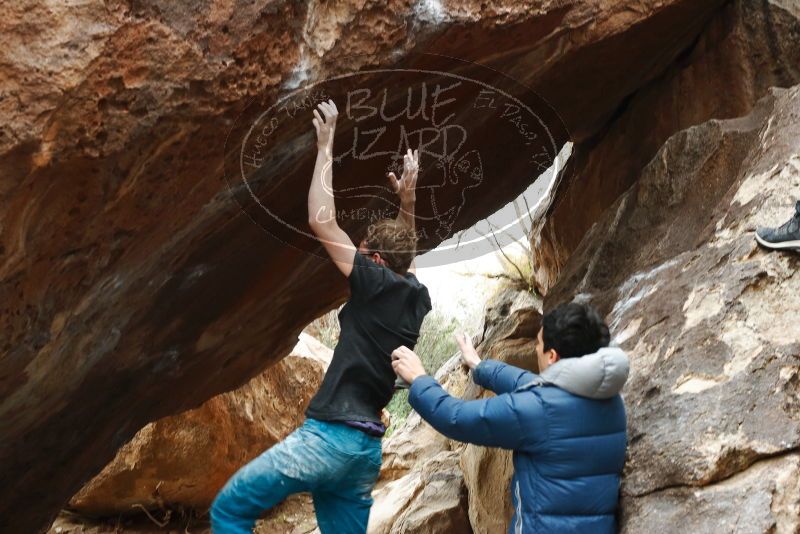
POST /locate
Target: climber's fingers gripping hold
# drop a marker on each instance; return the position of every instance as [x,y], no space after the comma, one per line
[325,124]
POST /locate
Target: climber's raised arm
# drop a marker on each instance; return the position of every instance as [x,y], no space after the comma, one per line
[405,188]
[321,204]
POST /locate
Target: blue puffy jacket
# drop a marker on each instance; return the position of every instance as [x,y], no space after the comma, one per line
[565,426]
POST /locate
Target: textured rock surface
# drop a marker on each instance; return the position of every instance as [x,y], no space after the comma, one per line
[182,461]
[745,49]
[132,286]
[764,498]
[711,323]
[430,498]
[709,318]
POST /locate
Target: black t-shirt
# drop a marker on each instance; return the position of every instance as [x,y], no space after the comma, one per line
[385,311]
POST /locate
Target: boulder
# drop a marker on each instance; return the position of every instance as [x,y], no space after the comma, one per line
[488,473]
[709,321]
[182,461]
[510,325]
[410,444]
[659,235]
[746,48]
[415,441]
[421,487]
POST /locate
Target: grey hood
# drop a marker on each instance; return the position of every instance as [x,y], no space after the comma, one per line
[597,376]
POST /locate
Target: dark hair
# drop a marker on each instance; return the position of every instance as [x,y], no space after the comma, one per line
[574,330]
[395,241]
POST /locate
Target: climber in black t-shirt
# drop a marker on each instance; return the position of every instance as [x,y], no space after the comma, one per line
[336,453]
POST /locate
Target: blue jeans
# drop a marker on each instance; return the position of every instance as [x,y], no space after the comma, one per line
[338,464]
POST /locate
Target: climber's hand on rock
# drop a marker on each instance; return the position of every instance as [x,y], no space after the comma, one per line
[406,186]
[407,364]
[469,356]
[325,128]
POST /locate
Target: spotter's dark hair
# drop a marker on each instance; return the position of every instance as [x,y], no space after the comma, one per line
[574,330]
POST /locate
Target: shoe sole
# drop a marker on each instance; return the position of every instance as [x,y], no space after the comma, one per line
[779,246]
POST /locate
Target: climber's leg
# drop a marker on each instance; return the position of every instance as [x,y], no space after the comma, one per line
[256,487]
[343,505]
[299,463]
[342,512]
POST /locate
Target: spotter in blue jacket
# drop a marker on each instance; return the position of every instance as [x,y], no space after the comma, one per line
[566,427]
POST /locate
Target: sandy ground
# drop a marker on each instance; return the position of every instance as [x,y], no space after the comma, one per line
[294,516]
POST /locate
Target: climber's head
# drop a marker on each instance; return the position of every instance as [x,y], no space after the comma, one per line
[391,243]
[569,331]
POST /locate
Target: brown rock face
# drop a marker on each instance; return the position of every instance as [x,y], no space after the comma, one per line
[746,48]
[710,321]
[708,318]
[133,287]
[184,460]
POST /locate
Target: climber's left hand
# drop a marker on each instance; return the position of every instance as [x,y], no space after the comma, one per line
[325,127]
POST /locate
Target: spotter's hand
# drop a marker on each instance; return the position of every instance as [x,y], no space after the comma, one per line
[469,356]
[407,364]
